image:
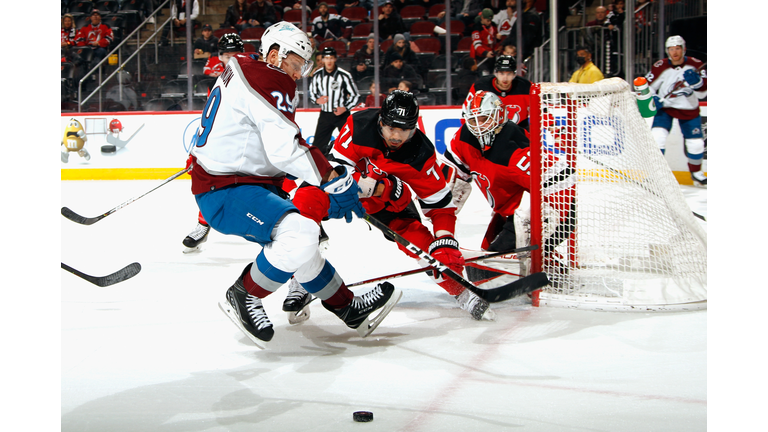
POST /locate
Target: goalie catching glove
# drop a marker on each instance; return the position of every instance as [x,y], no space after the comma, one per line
[446,250]
[342,192]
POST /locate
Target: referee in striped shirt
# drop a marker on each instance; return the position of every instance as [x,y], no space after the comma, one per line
[335,91]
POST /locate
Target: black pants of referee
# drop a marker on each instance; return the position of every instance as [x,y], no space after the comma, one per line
[326,123]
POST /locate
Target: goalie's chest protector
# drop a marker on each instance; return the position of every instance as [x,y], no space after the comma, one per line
[415,162]
[503,172]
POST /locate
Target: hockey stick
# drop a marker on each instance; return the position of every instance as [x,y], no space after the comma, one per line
[519,287]
[427,269]
[74,217]
[125,273]
[678,86]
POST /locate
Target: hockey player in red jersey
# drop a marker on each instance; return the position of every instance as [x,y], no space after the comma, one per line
[229,45]
[679,81]
[512,90]
[494,153]
[247,142]
[392,157]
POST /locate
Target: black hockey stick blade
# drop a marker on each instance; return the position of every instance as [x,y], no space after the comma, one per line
[497,294]
[74,217]
[522,286]
[121,275]
[82,220]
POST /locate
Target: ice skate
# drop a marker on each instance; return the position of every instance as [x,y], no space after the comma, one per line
[247,313]
[323,241]
[196,238]
[477,307]
[358,314]
[297,302]
[699,179]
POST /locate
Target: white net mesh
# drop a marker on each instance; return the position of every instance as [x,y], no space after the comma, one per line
[626,238]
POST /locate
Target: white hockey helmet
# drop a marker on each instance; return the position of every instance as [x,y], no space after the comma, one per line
[290,40]
[484,115]
[674,41]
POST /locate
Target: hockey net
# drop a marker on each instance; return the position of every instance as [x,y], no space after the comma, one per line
[626,238]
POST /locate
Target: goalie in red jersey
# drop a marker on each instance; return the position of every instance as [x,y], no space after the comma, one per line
[391,158]
[494,153]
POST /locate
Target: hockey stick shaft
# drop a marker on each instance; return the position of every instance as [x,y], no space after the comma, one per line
[123,274]
[426,269]
[74,217]
[521,286]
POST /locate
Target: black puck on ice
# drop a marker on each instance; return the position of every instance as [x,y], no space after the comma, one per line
[362,416]
[108,148]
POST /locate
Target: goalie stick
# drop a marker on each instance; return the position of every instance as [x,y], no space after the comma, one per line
[74,217]
[519,287]
[123,274]
[426,269]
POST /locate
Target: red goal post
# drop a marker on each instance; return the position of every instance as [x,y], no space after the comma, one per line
[625,238]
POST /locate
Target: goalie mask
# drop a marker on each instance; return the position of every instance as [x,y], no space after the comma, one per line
[484,115]
[289,39]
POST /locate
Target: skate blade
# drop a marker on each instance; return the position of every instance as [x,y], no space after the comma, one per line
[196,249]
[369,325]
[300,316]
[230,312]
[488,315]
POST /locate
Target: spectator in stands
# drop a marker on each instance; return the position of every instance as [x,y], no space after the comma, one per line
[262,13]
[180,18]
[397,71]
[237,16]
[406,85]
[330,26]
[363,60]
[484,42]
[505,19]
[588,72]
[370,100]
[390,21]
[532,29]
[96,35]
[295,4]
[343,4]
[469,10]
[616,15]
[401,47]
[207,44]
[601,18]
[68,31]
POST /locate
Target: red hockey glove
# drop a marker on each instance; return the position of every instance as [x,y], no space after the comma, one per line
[446,250]
[396,193]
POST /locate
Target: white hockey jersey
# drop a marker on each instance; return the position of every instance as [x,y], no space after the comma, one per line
[664,78]
[248,133]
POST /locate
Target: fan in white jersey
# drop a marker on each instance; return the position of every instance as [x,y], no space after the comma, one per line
[247,142]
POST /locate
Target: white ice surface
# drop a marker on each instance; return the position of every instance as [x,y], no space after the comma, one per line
[155,353]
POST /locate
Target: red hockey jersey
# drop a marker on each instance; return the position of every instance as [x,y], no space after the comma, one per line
[501,173]
[415,163]
[101,34]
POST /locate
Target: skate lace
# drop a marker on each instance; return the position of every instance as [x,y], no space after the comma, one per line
[360,302]
[256,312]
[295,291]
[200,231]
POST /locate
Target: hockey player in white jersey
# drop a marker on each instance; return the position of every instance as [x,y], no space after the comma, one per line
[678,82]
[247,142]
